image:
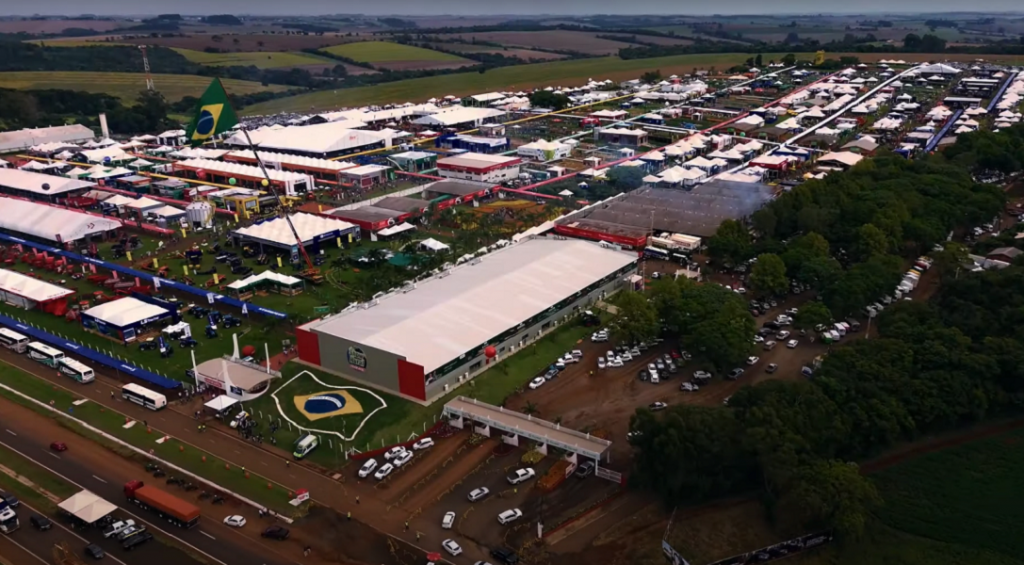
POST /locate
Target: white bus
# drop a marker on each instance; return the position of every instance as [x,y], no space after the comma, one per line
[78,371]
[13,340]
[143,396]
[45,354]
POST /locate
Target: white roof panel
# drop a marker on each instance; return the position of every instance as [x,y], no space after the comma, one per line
[308,226]
[87,507]
[125,311]
[442,318]
[30,287]
[33,182]
[51,223]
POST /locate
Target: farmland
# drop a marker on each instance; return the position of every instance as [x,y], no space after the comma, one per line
[242,43]
[970,495]
[564,73]
[57,26]
[525,54]
[263,60]
[579,41]
[125,85]
[396,56]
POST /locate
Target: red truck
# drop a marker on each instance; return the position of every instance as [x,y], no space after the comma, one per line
[173,509]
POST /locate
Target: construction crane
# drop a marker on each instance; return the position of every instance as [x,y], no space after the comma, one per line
[63,555]
[145,65]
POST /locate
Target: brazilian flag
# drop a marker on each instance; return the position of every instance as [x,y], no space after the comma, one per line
[214,115]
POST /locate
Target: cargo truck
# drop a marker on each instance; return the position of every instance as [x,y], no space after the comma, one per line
[171,508]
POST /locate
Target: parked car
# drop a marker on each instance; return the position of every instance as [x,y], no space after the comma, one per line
[626,356]
[688,387]
[792,343]
[734,374]
[781,336]
[394,452]
[94,551]
[275,532]
[643,375]
[702,375]
[10,499]
[367,468]
[509,516]
[552,373]
[117,527]
[136,540]
[520,475]
[384,471]
[451,546]
[585,469]
[423,443]
[601,363]
[771,368]
[615,362]
[505,555]
[448,521]
[59,446]
[479,494]
[235,521]
[655,406]
[41,523]
[402,459]
[537,383]
[753,359]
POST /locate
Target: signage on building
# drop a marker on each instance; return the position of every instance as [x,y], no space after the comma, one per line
[356,358]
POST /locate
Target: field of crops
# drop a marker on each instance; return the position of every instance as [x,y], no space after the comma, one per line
[559,73]
[384,52]
[580,41]
[971,495]
[264,60]
[125,85]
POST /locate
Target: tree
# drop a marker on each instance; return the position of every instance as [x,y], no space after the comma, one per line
[637,318]
[870,241]
[626,178]
[651,77]
[835,495]
[549,99]
[731,242]
[724,338]
[768,275]
[789,59]
[792,39]
[758,61]
[951,259]
[912,42]
[811,315]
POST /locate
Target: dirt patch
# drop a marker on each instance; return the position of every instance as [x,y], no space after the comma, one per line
[422,65]
[583,42]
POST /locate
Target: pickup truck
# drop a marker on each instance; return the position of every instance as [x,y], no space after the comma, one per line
[118,527]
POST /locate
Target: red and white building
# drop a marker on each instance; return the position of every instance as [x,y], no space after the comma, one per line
[479,167]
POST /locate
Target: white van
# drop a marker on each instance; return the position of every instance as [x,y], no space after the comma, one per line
[305,445]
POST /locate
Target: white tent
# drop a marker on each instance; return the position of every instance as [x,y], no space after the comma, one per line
[52,224]
[87,507]
[29,287]
[144,204]
[166,212]
[265,276]
[308,226]
[433,245]
[221,403]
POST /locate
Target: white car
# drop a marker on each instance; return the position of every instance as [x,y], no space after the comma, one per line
[758,339]
[451,547]
[448,521]
[537,383]
[616,362]
[118,527]
[367,468]
[627,356]
[509,516]
[570,358]
[577,354]
[792,343]
[423,443]
[781,336]
[599,337]
[520,475]
[479,494]
[688,387]
[753,359]
[701,375]
[601,363]
[394,452]
[402,459]
[235,521]
[384,471]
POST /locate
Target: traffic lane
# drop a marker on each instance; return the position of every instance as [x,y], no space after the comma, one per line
[14,552]
[42,543]
[96,469]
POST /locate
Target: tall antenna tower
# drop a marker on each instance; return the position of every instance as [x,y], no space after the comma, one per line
[145,64]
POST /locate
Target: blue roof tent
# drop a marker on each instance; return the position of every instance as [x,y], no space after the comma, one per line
[209,297]
[70,347]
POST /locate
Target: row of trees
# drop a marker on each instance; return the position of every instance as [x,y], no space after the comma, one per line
[41,108]
[932,367]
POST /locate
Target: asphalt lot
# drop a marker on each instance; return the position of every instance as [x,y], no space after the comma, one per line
[95,470]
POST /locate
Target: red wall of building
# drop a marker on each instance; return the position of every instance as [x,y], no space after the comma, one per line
[308,344]
[410,380]
[600,236]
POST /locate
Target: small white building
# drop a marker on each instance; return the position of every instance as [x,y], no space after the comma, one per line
[542,150]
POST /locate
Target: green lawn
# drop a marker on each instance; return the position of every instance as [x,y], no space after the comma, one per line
[564,73]
[263,60]
[126,86]
[971,495]
[386,52]
[190,458]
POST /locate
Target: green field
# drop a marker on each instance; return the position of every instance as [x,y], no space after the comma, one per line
[564,73]
[386,52]
[971,495]
[266,60]
[125,85]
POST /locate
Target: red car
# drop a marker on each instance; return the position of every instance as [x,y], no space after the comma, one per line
[675,354]
[59,446]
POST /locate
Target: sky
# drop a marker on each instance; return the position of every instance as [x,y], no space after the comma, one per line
[475,7]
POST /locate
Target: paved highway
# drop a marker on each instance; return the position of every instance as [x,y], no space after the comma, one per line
[104,475]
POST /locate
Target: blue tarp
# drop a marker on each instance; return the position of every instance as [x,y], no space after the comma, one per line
[248,307]
[942,132]
[70,347]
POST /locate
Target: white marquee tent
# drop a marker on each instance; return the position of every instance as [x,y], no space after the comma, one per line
[52,224]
